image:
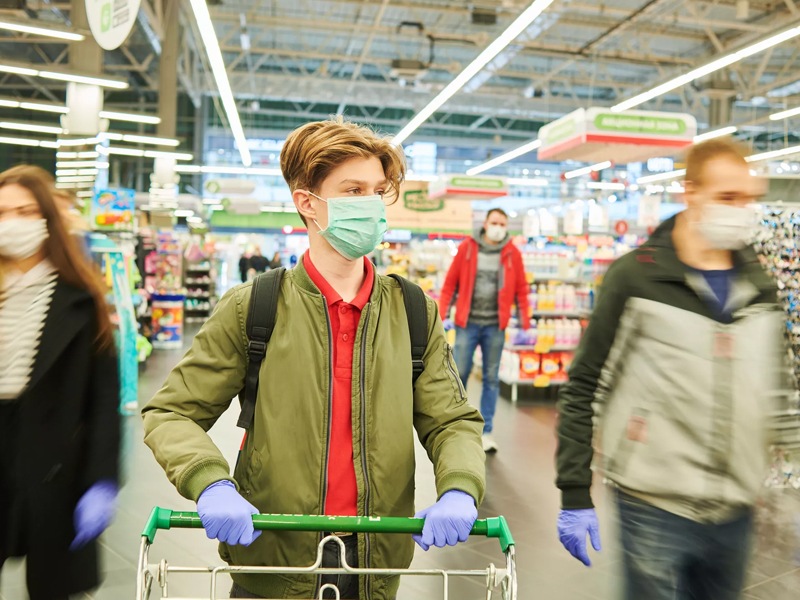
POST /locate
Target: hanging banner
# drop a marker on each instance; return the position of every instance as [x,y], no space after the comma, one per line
[416,211]
[598,218]
[530,226]
[548,222]
[113,210]
[573,219]
[463,187]
[112,21]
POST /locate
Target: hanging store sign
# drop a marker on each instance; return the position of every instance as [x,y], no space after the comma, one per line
[462,187]
[598,134]
[417,212]
[112,21]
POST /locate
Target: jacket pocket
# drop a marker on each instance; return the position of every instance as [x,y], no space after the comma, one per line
[452,374]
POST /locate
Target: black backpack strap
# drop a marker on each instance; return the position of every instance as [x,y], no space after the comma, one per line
[260,324]
[417,315]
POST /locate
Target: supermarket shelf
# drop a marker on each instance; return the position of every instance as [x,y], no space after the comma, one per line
[515,383]
[578,314]
[196,319]
[555,278]
[196,282]
[198,296]
[198,269]
[513,348]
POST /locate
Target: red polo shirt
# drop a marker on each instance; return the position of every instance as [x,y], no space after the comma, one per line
[341,497]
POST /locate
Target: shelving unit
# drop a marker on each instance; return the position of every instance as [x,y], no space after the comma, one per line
[199,285]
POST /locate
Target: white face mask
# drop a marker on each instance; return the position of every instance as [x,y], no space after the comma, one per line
[22,238]
[495,233]
[727,227]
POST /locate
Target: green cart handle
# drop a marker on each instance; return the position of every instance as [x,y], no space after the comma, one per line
[164,518]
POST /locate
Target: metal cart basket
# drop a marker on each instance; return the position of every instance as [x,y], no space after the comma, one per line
[500,582]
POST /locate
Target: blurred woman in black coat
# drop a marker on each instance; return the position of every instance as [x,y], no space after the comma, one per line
[59,394]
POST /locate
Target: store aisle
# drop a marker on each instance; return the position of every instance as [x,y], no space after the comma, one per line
[520,486]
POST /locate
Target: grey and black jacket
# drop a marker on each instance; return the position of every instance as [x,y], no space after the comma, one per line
[681,396]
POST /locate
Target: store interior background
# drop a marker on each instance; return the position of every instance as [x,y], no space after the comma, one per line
[179,178]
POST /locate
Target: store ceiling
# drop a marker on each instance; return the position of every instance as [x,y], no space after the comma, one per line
[307,59]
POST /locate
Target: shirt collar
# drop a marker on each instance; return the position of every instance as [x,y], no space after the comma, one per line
[331,295]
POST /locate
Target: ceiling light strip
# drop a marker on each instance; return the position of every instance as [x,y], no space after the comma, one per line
[209,37]
[785,114]
[707,69]
[586,170]
[503,158]
[61,34]
[520,24]
[661,176]
[710,135]
[62,76]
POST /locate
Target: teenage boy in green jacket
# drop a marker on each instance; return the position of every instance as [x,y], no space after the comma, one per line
[336,406]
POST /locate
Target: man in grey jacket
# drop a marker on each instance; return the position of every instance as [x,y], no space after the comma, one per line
[682,364]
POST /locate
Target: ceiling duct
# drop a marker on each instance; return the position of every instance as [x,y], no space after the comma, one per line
[411,69]
[484,16]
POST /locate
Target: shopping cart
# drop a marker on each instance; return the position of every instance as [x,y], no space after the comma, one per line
[497,580]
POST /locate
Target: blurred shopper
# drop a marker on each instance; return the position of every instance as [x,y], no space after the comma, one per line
[337,377]
[258,262]
[244,266]
[59,394]
[275,263]
[682,363]
[486,278]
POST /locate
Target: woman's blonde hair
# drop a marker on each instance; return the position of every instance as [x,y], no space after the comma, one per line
[73,268]
[312,151]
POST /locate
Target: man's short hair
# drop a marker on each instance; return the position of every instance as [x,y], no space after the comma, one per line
[701,154]
[312,151]
[499,211]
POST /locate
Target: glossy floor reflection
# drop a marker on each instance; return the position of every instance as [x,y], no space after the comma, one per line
[520,486]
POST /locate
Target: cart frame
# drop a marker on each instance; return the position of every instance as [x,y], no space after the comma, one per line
[503,580]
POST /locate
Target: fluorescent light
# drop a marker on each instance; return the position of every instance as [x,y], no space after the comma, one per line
[606,185]
[587,170]
[84,194]
[661,177]
[148,139]
[60,34]
[217,207]
[524,182]
[224,170]
[510,155]
[520,24]
[130,117]
[41,106]
[785,114]
[209,36]
[18,70]
[72,172]
[116,84]
[710,135]
[81,164]
[184,213]
[148,153]
[774,154]
[77,179]
[708,68]
[20,141]
[48,144]
[79,142]
[89,154]
[31,127]
[161,154]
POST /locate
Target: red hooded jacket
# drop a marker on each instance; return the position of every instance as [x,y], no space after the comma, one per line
[460,283]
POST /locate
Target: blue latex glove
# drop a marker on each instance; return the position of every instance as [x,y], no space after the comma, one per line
[448,324]
[573,525]
[225,515]
[447,522]
[94,512]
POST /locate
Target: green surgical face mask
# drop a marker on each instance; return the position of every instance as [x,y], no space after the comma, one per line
[356,225]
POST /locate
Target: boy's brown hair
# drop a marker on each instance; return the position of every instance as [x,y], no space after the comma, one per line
[312,151]
[701,154]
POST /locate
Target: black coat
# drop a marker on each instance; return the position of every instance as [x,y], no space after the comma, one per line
[60,437]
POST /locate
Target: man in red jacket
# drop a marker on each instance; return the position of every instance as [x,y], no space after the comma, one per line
[486,277]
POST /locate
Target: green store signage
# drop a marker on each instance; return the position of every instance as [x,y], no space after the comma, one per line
[477,183]
[560,131]
[623,123]
[418,201]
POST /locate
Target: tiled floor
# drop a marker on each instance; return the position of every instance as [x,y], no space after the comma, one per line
[520,486]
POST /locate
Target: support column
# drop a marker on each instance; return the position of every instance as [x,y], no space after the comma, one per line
[168,71]
[85,56]
[721,95]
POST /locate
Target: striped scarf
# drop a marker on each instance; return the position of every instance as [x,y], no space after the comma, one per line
[24,303]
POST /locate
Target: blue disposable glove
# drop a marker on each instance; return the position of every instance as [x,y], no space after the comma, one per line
[573,525]
[225,515]
[448,324]
[447,522]
[94,512]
